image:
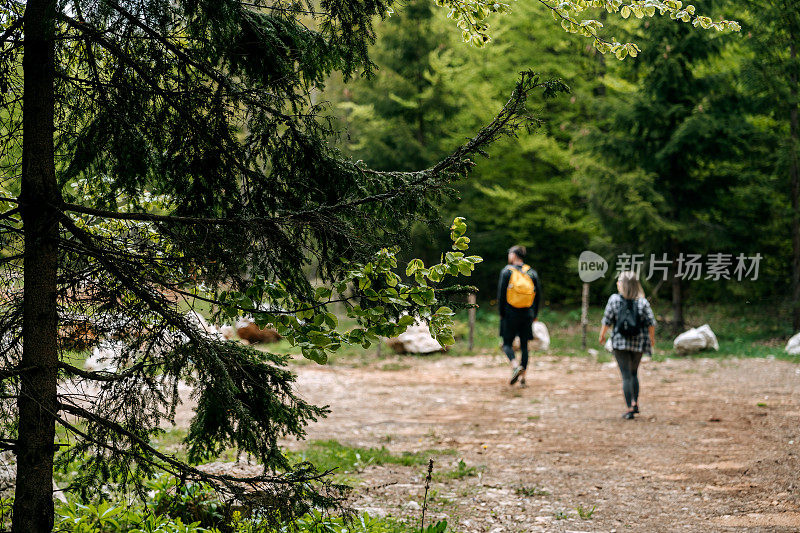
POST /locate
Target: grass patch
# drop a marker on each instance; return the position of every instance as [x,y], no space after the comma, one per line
[530,491]
[585,513]
[460,471]
[331,454]
[393,366]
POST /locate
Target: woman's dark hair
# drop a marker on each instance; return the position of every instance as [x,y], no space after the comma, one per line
[518,250]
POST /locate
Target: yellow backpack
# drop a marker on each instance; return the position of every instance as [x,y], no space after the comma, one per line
[521,291]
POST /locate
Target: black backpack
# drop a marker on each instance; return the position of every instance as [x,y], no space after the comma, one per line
[629,321]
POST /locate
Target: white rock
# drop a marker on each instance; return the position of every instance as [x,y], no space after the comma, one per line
[412,505]
[695,340]
[227,331]
[104,356]
[541,337]
[793,346]
[593,352]
[416,339]
[197,319]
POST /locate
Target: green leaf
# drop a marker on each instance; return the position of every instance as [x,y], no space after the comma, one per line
[323,293]
[406,320]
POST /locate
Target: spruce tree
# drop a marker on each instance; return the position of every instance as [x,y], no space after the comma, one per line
[668,145]
[159,154]
[773,77]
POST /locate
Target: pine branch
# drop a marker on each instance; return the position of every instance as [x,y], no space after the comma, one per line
[457,161]
[454,163]
[6,373]
[150,217]
[102,376]
[179,466]
[17,24]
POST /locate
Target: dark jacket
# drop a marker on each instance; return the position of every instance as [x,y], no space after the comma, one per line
[502,287]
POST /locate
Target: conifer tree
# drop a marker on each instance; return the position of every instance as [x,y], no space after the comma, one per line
[667,145]
[159,154]
[156,154]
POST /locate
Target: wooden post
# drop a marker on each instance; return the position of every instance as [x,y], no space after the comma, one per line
[471,300]
[584,313]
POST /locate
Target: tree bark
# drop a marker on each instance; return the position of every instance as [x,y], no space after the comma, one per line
[677,292]
[33,503]
[794,173]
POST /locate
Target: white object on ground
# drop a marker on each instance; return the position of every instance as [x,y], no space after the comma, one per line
[104,356]
[541,337]
[197,319]
[695,340]
[227,331]
[416,339]
[793,346]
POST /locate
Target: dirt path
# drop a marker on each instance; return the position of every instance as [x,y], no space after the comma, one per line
[715,449]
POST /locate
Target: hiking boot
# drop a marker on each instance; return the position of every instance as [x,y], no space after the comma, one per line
[515,374]
[628,415]
[636,408]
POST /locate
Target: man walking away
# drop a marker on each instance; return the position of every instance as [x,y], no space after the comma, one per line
[518,294]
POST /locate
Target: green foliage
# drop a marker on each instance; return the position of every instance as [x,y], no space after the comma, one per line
[681,171]
[107,518]
[438,527]
[529,191]
[193,165]
[195,503]
[584,513]
[531,491]
[471,17]
[332,455]
[375,297]
[460,471]
[174,507]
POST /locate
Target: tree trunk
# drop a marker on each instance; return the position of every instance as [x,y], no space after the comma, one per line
[795,179]
[677,292]
[33,503]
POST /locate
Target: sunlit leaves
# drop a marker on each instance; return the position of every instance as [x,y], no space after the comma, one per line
[471,17]
[374,295]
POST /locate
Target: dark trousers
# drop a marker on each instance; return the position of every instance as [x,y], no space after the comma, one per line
[516,324]
[628,362]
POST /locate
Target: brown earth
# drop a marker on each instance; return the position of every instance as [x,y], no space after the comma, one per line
[715,448]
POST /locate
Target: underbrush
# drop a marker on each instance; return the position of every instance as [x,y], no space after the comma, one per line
[173,507]
[167,505]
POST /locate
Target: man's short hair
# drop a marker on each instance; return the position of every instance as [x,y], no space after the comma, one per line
[518,250]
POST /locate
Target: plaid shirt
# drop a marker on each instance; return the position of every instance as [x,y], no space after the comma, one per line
[638,343]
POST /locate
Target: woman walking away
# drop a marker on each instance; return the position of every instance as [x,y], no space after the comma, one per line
[634,333]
